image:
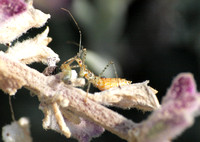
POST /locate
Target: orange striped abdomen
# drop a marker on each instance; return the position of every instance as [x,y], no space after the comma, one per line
[107,83]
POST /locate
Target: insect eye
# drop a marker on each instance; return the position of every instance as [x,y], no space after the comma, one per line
[80,62]
[8,44]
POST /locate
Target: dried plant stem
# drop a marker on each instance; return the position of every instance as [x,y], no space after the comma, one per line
[14,75]
[11,109]
[60,120]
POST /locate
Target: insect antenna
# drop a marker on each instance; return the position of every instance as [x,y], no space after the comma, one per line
[79,30]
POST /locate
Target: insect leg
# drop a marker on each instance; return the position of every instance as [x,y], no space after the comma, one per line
[115,71]
[89,84]
[111,62]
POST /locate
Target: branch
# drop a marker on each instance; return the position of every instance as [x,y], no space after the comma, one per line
[50,89]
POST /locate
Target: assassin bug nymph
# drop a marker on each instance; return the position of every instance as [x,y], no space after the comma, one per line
[97,81]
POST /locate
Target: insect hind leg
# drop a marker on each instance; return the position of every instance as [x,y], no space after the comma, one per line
[88,88]
[114,68]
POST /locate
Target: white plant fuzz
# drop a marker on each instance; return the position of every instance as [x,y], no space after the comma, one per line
[17,25]
[74,74]
[75,81]
[138,95]
[51,61]
[34,50]
[17,131]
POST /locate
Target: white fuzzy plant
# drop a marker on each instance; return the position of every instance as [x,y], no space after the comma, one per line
[64,106]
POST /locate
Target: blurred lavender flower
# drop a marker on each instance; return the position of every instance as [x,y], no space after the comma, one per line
[179,107]
[85,131]
[9,8]
[18,16]
[53,7]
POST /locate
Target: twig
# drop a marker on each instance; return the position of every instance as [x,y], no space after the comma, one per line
[14,75]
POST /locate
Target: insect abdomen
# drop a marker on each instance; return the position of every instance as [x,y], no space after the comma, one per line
[107,83]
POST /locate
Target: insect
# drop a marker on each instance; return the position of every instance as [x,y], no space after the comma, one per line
[97,81]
